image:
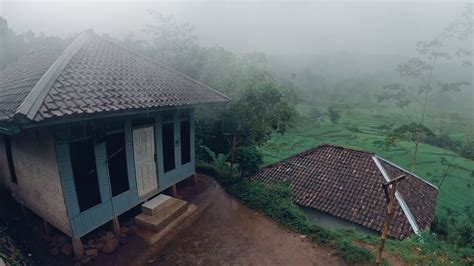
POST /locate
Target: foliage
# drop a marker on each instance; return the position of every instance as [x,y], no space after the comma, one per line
[260,111]
[249,159]
[334,114]
[219,161]
[9,252]
[455,227]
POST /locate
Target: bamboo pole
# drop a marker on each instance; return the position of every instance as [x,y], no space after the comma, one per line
[389,188]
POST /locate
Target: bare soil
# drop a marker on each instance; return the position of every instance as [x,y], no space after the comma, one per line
[229,233]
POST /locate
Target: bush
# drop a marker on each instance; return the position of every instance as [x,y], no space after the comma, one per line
[249,159]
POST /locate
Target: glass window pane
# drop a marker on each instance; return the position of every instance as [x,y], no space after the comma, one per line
[185,142]
[117,163]
[168,146]
[85,173]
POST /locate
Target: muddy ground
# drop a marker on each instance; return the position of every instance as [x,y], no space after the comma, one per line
[229,233]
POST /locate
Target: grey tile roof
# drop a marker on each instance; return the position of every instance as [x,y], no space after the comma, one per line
[18,79]
[347,183]
[95,75]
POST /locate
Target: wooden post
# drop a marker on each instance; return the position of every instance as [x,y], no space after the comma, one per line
[77,248]
[389,188]
[174,191]
[116,227]
[195,179]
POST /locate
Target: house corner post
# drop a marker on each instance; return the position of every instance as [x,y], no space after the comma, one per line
[77,247]
[174,191]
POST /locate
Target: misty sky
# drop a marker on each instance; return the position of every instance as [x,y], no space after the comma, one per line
[368,27]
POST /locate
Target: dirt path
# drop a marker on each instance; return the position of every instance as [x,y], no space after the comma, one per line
[229,233]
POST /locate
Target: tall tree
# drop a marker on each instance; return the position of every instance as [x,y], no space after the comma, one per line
[422,85]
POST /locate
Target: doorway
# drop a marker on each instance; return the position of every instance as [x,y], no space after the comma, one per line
[145,160]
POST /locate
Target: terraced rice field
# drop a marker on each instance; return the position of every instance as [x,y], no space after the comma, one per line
[457,191]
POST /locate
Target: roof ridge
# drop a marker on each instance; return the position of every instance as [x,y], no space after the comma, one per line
[305,152]
[403,205]
[410,173]
[347,148]
[32,102]
[136,53]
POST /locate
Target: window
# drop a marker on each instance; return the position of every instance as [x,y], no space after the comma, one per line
[11,165]
[85,173]
[168,147]
[117,162]
[185,142]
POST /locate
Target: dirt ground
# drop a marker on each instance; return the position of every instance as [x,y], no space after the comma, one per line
[229,233]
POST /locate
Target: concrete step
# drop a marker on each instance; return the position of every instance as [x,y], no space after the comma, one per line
[165,213]
[150,207]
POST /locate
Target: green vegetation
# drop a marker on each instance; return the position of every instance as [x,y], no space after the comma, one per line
[306,132]
[10,254]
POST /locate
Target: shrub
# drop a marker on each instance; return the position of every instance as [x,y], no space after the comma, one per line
[249,159]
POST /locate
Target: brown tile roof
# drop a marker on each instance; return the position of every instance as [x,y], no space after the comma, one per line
[347,183]
[93,74]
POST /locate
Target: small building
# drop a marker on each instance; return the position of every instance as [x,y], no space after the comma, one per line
[90,129]
[342,187]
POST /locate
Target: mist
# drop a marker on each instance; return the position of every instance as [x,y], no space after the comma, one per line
[368,27]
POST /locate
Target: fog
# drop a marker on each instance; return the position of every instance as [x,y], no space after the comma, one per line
[369,27]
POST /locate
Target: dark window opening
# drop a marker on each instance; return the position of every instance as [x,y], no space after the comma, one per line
[168,147]
[185,141]
[11,165]
[117,162]
[85,173]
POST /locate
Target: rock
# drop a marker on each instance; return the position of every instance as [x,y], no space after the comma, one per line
[109,235]
[54,251]
[99,246]
[85,260]
[91,243]
[61,240]
[67,249]
[92,252]
[110,246]
[123,230]
[123,241]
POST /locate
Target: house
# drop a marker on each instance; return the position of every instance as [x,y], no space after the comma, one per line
[90,129]
[342,187]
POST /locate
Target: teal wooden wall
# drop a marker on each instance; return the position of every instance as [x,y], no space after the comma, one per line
[84,222]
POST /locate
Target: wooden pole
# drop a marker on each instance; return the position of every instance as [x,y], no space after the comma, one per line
[389,188]
[232,152]
[174,191]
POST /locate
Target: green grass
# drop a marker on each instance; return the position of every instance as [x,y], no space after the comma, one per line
[457,190]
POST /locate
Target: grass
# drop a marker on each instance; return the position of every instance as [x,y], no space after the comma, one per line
[457,191]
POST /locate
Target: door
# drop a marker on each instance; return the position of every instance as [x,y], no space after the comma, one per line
[145,165]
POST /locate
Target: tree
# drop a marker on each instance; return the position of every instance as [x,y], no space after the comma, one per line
[249,159]
[334,114]
[422,85]
[12,45]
